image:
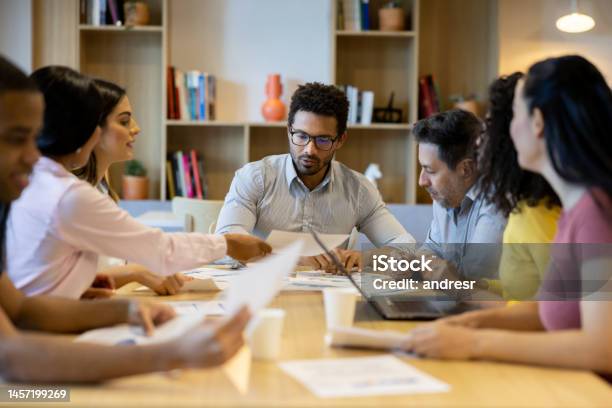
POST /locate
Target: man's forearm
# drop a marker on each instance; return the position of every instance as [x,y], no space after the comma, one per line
[51,314]
[44,358]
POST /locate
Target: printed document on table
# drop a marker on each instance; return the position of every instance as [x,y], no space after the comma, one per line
[279,241]
[126,334]
[361,376]
[207,307]
[197,284]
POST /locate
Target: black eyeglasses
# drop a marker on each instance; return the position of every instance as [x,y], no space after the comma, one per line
[300,138]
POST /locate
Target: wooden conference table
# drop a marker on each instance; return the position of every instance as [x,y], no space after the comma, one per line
[472,383]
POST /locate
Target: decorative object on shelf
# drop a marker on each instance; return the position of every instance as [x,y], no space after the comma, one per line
[273,109]
[575,22]
[469,104]
[373,173]
[136,13]
[389,114]
[391,17]
[135,181]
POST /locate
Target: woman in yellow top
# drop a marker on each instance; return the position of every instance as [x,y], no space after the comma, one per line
[526,198]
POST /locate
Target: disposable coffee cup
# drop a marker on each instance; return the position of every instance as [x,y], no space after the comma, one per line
[266,334]
[339,306]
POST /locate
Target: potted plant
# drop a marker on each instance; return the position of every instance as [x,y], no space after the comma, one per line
[135,181]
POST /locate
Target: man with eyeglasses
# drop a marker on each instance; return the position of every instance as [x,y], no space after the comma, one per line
[307,187]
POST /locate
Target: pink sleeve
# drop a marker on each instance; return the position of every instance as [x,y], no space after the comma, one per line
[88,220]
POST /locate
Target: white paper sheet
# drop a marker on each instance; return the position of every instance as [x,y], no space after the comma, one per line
[317,281]
[361,376]
[365,338]
[197,284]
[210,307]
[279,240]
[257,285]
[126,334]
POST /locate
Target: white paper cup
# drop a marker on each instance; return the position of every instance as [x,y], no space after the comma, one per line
[339,306]
[265,336]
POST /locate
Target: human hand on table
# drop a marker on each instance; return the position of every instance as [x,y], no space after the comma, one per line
[348,258]
[149,314]
[442,341]
[162,285]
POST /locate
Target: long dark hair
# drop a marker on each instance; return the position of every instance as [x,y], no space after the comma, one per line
[503,181]
[576,103]
[72,109]
[110,94]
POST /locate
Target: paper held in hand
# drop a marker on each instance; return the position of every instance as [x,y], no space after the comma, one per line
[279,241]
[257,285]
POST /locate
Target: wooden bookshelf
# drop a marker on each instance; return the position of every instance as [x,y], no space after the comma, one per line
[383,62]
[187,34]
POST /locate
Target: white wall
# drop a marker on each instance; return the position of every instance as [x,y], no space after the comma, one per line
[16,32]
[241,41]
[528,33]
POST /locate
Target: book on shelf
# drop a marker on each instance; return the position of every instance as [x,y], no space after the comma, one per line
[365,15]
[351,12]
[188,176]
[361,105]
[185,175]
[101,12]
[429,100]
[170,180]
[191,95]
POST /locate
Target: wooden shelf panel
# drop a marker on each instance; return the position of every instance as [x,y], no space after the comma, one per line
[222,151]
[133,62]
[376,34]
[203,123]
[273,125]
[381,67]
[121,29]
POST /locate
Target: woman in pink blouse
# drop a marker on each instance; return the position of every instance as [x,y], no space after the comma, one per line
[561,128]
[117,139]
[60,224]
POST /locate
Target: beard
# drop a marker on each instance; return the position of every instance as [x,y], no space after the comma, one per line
[307,165]
[439,198]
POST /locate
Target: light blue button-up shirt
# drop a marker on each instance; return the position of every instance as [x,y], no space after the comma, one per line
[457,234]
[268,195]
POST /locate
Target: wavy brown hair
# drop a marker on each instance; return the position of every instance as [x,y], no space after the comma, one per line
[503,181]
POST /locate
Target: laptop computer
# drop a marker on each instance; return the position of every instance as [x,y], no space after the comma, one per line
[422,306]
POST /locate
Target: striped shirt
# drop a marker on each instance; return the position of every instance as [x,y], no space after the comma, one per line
[268,195]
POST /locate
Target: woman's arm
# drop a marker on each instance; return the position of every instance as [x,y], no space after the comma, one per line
[584,348]
[519,316]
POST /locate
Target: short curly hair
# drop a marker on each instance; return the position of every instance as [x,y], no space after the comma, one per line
[503,181]
[320,99]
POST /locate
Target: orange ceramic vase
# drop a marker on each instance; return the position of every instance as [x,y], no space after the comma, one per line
[273,108]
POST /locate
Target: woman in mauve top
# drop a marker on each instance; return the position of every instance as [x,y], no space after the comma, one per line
[61,224]
[561,127]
